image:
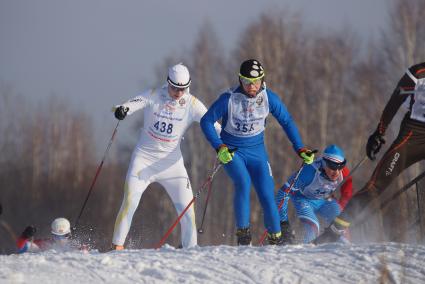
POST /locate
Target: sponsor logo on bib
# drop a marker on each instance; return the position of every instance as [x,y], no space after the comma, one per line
[260,100]
[182,102]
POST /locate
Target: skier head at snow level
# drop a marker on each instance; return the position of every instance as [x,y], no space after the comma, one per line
[333,161]
[251,77]
[61,229]
[178,81]
[61,235]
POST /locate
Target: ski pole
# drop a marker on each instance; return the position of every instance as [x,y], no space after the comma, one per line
[402,189]
[99,168]
[201,229]
[208,181]
[263,236]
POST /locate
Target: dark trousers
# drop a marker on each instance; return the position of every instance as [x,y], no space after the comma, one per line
[407,149]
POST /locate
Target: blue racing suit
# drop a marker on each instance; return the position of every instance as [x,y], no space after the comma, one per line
[311,194]
[243,124]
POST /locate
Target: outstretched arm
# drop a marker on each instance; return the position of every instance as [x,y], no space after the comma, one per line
[402,91]
[399,95]
[138,102]
[279,111]
[217,111]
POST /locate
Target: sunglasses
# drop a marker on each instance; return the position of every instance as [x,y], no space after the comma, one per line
[176,89]
[248,81]
[335,166]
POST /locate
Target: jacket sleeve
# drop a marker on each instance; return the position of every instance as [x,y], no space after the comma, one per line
[346,189]
[305,177]
[139,102]
[217,110]
[279,111]
[399,95]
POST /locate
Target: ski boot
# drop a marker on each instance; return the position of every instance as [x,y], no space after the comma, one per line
[117,247]
[244,236]
[111,248]
[334,233]
[288,234]
[275,239]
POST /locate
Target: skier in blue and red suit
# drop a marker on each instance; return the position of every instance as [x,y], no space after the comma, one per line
[313,193]
[60,238]
[243,111]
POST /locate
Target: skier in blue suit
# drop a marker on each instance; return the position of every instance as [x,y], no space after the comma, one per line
[243,111]
[313,193]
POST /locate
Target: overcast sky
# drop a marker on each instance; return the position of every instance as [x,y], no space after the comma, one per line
[101,52]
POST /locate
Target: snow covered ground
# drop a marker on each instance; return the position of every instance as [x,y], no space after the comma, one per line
[330,263]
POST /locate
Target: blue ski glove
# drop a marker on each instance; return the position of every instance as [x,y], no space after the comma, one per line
[224,155]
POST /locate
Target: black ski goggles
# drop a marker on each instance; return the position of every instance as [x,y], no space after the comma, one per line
[334,165]
[177,89]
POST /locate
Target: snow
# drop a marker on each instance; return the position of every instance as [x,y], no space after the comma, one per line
[329,263]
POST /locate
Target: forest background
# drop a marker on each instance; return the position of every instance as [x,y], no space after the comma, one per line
[334,87]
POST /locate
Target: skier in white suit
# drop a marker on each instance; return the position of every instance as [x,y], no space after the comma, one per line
[168,112]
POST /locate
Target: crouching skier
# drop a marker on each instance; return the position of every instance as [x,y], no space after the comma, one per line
[243,111]
[312,194]
[60,239]
[168,112]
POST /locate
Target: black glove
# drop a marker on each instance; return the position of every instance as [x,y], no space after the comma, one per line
[29,232]
[374,144]
[121,112]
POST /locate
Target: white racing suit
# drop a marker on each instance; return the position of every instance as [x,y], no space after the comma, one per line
[158,158]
